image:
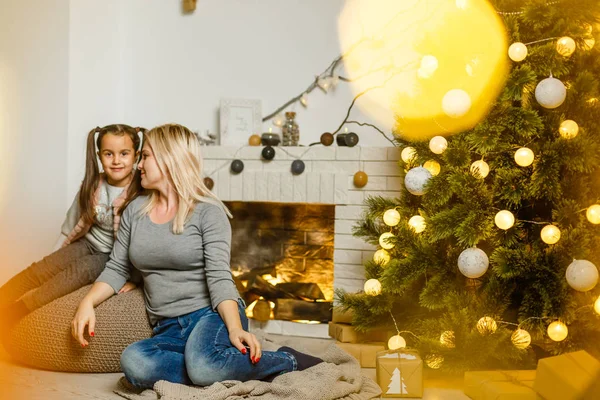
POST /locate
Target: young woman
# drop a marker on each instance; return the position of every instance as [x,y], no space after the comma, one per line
[89,229]
[178,237]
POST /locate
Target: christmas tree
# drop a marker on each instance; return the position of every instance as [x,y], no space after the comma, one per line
[397,385]
[488,259]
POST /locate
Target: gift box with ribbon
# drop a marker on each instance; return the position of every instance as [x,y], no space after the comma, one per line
[365,353]
[400,373]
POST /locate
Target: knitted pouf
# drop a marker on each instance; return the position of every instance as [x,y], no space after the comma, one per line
[43,338]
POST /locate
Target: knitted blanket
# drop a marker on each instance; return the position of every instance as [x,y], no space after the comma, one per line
[339,377]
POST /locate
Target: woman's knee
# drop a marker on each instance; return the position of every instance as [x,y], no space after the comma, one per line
[137,366]
[206,370]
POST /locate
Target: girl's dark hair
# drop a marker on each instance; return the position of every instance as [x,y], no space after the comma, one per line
[92,172]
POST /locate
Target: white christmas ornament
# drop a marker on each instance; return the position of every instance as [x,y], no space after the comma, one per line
[550,93]
[582,275]
[517,51]
[473,263]
[416,179]
[438,144]
[456,103]
[480,169]
[391,217]
[504,219]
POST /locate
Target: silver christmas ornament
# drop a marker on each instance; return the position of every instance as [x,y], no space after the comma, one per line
[550,92]
[473,263]
[416,179]
[582,275]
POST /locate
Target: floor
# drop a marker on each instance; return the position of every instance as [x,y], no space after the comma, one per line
[20,383]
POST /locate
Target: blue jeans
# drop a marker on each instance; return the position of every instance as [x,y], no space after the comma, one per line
[195,349]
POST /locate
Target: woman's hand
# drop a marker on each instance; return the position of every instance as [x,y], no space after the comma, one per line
[239,336]
[128,286]
[85,315]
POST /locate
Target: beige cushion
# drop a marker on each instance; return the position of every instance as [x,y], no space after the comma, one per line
[43,338]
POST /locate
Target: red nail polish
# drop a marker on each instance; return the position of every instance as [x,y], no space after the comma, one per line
[92,334]
[244,351]
[258,359]
[82,345]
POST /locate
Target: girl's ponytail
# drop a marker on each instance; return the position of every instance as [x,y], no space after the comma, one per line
[91,178]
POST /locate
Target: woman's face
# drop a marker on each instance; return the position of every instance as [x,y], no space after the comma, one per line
[152,177]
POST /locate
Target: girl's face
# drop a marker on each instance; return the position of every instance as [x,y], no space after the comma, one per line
[152,177]
[117,156]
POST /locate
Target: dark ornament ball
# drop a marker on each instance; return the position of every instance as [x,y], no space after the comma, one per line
[351,139]
[237,166]
[209,183]
[327,139]
[298,167]
[268,153]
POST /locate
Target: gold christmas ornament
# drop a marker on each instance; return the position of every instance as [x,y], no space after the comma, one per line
[434,361]
[254,140]
[417,223]
[521,339]
[487,325]
[361,179]
[597,306]
[524,157]
[381,257]
[447,339]
[504,219]
[408,153]
[568,129]
[517,51]
[396,342]
[433,167]
[372,287]
[189,6]
[391,217]
[480,169]
[558,331]
[593,214]
[550,234]
[438,144]
[565,46]
[383,240]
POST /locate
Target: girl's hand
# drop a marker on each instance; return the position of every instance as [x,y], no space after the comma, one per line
[128,286]
[239,336]
[85,315]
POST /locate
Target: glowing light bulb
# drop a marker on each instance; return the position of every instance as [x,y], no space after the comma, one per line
[521,339]
[565,46]
[504,219]
[480,169]
[438,144]
[456,103]
[417,223]
[391,217]
[487,325]
[372,287]
[524,157]
[593,214]
[568,129]
[550,234]
[433,167]
[597,306]
[396,342]
[381,257]
[383,240]
[408,153]
[558,331]
[447,339]
[517,51]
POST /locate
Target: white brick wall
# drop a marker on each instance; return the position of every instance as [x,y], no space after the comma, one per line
[328,178]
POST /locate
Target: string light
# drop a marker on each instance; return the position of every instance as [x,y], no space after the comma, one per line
[391,217]
[433,167]
[396,342]
[524,157]
[372,287]
[550,234]
[381,257]
[558,331]
[521,339]
[480,169]
[504,219]
[597,306]
[417,223]
[438,144]
[593,214]
[517,51]
[408,153]
[487,325]
[568,129]
[447,339]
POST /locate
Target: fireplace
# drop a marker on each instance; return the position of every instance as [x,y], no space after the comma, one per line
[327,181]
[282,259]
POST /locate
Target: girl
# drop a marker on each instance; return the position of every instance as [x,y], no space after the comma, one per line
[179,237]
[89,228]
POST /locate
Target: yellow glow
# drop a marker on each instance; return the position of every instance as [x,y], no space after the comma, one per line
[396,342]
[456,103]
[372,287]
[487,325]
[597,306]
[383,240]
[521,339]
[408,153]
[524,157]
[438,144]
[434,361]
[568,129]
[420,56]
[447,339]
[565,46]
[381,257]
[417,223]
[433,167]
[593,214]
[480,169]
[504,219]
[306,321]
[550,234]
[589,43]
[391,217]
[558,331]
[517,51]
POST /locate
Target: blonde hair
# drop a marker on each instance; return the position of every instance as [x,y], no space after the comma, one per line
[178,154]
